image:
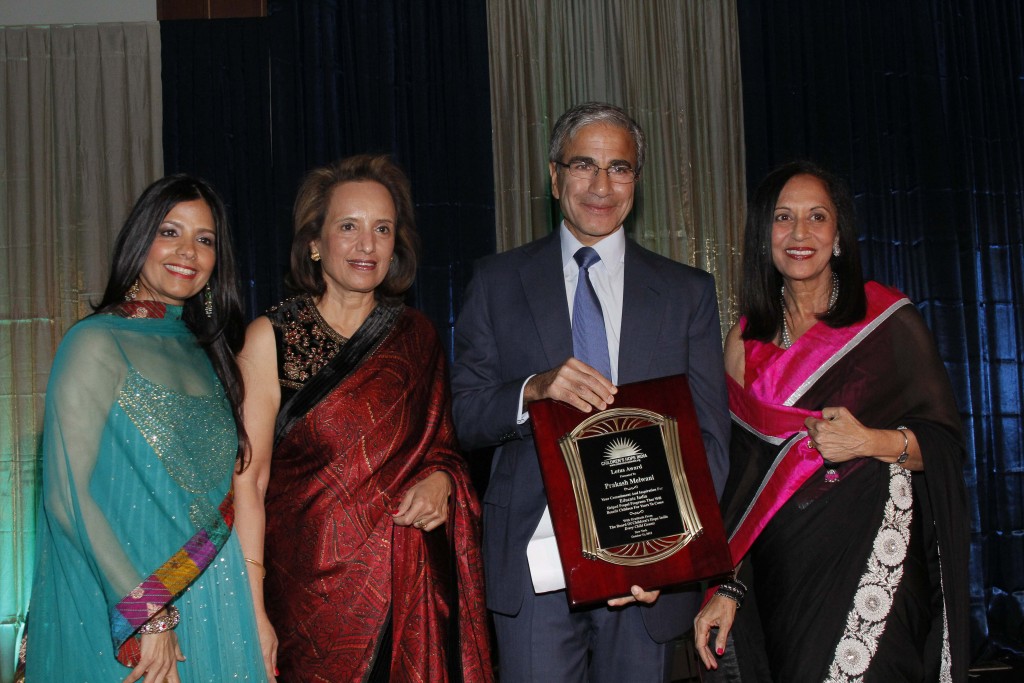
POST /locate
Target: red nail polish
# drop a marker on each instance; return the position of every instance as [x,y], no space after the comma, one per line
[720,651]
[277,672]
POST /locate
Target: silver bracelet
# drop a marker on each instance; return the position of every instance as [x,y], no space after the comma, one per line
[161,623]
[735,590]
[902,457]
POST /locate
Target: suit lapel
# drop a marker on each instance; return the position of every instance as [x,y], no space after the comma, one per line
[544,284]
[643,305]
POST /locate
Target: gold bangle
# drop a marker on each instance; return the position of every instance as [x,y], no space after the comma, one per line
[258,564]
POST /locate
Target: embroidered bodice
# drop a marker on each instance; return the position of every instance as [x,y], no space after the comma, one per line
[305,342]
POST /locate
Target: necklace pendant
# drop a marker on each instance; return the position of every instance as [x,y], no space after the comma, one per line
[785,339]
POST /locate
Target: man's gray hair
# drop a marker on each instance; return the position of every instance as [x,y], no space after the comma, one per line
[573,120]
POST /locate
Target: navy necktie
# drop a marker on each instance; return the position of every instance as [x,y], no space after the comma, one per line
[589,340]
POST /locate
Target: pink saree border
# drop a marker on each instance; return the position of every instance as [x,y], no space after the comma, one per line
[765,409]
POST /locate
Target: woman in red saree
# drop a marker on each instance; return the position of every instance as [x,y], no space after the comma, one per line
[356,500]
[845,505]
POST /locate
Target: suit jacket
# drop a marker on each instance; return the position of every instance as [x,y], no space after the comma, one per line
[515,323]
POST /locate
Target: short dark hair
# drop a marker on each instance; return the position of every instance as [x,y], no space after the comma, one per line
[761,282]
[221,335]
[573,120]
[310,211]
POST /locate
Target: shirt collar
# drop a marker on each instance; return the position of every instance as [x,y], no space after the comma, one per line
[611,249]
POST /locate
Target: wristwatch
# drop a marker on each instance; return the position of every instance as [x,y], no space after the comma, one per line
[902,458]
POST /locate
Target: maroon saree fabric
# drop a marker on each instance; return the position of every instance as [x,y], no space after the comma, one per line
[832,605]
[338,567]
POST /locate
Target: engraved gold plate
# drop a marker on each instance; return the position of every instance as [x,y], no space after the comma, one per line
[634,501]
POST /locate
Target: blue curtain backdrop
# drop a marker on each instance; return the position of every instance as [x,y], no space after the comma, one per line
[253,104]
[921,106]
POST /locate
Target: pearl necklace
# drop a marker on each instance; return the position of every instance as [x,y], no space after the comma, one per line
[787,340]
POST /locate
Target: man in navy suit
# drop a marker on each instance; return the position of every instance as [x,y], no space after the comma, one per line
[514,343]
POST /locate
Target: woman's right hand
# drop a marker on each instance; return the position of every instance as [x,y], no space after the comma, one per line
[721,612]
[160,657]
[268,646]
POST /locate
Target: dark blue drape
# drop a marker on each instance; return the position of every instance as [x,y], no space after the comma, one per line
[921,106]
[253,104]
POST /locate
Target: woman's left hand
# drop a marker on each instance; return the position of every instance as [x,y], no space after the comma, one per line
[425,505]
[839,436]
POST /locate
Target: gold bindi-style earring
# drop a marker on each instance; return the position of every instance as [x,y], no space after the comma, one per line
[314,254]
[132,292]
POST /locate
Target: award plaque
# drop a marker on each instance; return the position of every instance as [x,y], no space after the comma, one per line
[630,493]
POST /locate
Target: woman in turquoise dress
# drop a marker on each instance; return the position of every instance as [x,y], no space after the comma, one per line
[139,575]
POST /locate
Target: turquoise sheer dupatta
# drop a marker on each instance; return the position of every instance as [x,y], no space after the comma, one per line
[139,446]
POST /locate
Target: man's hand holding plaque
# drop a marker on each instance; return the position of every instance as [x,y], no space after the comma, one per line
[574,383]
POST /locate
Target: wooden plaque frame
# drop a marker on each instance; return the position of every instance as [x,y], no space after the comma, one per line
[693,547]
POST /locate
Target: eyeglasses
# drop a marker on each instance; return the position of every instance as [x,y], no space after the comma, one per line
[586,170]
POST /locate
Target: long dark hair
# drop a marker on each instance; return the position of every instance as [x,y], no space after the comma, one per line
[761,283]
[220,335]
[310,211]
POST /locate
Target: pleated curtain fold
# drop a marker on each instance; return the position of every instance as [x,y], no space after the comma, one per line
[80,138]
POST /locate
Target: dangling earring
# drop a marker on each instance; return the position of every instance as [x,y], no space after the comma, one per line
[132,292]
[314,254]
[208,301]
[836,251]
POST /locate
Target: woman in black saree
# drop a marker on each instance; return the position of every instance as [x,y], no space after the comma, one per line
[845,505]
